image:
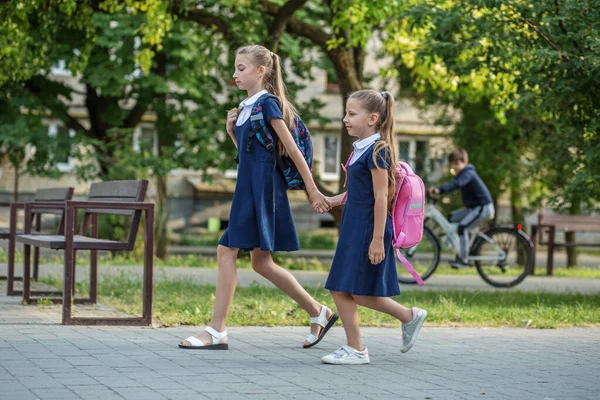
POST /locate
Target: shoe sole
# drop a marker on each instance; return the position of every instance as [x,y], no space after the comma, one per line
[416,334]
[221,346]
[357,362]
[330,323]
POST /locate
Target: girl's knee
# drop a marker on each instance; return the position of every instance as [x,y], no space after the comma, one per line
[226,253]
[261,261]
[362,300]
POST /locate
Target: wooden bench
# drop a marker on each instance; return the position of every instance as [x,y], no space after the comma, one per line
[108,198]
[564,223]
[53,195]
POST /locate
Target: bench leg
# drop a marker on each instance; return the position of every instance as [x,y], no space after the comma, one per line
[36,250]
[94,263]
[550,262]
[10,273]
[36,263]
[26,273]
[68,282]
[148,266]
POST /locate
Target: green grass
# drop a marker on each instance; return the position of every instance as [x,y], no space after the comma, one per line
[187,303]
[445,269]
[308,240]
[291,263]
[177,260]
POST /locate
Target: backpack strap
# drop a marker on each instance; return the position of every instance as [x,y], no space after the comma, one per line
[262,132]
[345,168]
[409,267]
[259,125]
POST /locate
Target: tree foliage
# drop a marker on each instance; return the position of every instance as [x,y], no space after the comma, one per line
[537,65]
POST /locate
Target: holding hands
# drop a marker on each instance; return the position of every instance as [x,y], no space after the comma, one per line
[320,203]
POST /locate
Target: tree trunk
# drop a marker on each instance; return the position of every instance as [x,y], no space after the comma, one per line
[16,184]
[348,72]
[164,141]
[575,209]
[518,215]
[162,213]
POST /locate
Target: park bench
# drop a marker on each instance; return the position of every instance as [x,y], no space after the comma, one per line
[53,195]
[124,198]
[565,223]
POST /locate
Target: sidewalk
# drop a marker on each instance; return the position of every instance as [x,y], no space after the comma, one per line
[246,277]
[40,359]
[326,256]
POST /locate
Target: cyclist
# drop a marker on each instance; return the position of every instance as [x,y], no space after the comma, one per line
[477,200]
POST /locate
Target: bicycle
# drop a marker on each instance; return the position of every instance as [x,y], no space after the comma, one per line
[502,254]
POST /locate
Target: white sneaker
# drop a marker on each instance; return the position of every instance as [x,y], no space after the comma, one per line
[410,330]
[347,355]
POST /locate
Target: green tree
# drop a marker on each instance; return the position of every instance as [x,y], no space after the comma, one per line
[537,65]
[24,139]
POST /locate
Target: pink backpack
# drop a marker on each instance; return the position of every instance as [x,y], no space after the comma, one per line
[408,211]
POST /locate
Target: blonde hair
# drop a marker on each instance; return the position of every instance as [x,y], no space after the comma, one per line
[382,103]
[273,81]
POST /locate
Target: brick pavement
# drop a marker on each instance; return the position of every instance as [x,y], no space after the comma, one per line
[40,359]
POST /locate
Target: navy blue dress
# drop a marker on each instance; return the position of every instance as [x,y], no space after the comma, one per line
[351,270]
[260,216]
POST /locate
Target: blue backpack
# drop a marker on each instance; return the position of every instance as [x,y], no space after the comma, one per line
[264,134]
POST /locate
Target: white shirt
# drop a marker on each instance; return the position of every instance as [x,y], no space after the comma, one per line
[361,146]
[246,107]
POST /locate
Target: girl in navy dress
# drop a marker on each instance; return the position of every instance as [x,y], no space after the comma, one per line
[364,268]
[261,219]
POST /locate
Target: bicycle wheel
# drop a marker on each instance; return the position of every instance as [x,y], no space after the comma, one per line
[514,267]
[424,258]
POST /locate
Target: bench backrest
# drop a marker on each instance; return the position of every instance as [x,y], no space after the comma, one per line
[571,223]
[119,192]
[58,195]
[51,195]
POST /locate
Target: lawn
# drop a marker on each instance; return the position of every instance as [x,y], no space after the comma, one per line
[291,263]
[184,302]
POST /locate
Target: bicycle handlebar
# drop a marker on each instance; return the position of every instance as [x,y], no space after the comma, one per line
[433,199]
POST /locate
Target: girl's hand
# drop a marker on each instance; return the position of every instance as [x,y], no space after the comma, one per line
[320,209]
[320,203]
[232,116]
[376,251]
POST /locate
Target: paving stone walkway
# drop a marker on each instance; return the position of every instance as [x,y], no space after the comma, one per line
[40,359]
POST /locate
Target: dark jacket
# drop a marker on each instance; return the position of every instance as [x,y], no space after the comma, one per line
[474,191]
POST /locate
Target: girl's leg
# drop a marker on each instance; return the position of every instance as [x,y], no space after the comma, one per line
[262,262]
[348,310]
[385,305]
[226,282]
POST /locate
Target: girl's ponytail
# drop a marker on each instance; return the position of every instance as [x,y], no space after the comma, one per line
[273,82]
[383,104]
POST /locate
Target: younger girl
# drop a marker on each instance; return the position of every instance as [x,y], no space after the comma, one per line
[364,268]
[261,219]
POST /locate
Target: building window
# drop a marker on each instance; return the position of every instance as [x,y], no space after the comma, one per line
[145,138]
[421,157]
[331,157]
[63,136]
[403,151]
[60,69]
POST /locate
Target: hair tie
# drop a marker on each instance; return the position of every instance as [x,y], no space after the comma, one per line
[384,95]
[272,54]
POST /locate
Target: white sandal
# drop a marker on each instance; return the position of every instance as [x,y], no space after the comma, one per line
[324,322]
[197,344]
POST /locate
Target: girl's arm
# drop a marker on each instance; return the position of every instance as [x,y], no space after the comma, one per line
[336,200]
[380,188]
[295,154]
